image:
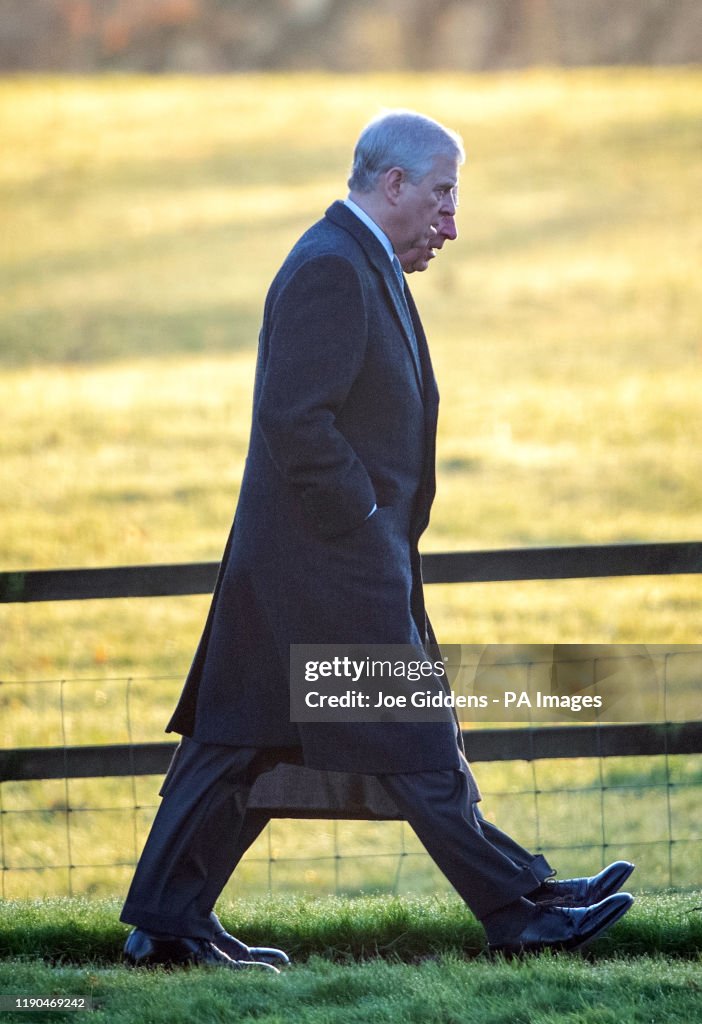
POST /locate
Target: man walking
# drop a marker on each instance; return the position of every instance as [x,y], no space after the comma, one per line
[336,493]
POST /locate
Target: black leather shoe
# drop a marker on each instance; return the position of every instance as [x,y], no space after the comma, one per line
[238,950]
[144,949]
[566,928]
[583,892]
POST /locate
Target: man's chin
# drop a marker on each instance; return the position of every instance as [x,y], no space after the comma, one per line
[422,264]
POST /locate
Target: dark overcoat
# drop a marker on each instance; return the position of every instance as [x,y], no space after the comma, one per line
[344,418]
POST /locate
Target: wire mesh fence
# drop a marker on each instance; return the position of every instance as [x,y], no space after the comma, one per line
[67,834]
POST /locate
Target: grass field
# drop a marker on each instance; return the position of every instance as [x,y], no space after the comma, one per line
[142,222]
[365,960]
[442,990]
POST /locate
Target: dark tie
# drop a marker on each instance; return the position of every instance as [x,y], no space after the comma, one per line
[397,267]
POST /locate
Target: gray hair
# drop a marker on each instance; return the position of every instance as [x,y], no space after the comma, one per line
[401,138]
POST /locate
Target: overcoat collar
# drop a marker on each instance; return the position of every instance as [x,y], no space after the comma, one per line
[344,218]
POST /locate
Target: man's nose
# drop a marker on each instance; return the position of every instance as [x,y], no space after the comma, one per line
[447,227]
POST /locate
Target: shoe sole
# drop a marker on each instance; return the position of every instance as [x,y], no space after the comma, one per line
[168,965]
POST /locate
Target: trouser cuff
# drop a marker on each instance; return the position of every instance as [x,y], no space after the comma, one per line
[525,881]
[165,924]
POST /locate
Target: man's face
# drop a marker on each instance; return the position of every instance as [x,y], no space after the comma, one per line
[417,259]
[421,206]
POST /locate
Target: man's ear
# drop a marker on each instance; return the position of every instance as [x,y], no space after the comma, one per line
[393,180]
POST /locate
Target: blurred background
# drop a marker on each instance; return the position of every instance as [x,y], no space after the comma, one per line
[205,36]
[158,158]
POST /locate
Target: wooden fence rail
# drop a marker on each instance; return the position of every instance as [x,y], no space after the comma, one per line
[580,562]
[24,764]
[527,744]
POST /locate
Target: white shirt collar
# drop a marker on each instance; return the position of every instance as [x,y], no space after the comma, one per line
[372,226]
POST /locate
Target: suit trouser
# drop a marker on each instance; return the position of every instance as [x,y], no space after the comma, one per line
[202,830]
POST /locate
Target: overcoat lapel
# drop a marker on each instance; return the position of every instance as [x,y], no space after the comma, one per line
[431,416]
[377,256]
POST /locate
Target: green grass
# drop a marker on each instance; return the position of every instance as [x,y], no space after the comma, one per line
[368,959]
[445,991]
[409,928]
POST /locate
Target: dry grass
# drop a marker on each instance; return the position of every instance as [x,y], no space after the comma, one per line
[143,220]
